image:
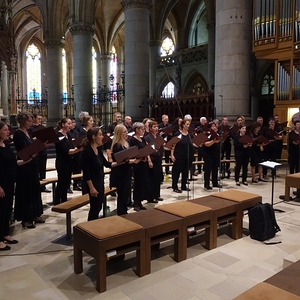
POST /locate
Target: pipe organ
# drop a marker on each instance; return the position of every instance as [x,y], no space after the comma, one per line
[276,37]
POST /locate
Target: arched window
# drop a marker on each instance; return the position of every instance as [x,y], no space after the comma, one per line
[94,70]
[167,47]
[198,32]
[169,90]
[64,76]
[113,77]
[267,87]
[33,70]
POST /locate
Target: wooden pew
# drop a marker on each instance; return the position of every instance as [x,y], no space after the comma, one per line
[77,202]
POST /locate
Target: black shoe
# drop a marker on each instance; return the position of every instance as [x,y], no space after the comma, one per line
[5,248]
[69,191]
[177,191]
[28,225]
[245,183]
[142,207]
[262,179]
[39,220]
[11,241]
[136,208]
[159,199]
[218,186]
[254,181]
[153,201]
[77,188]
[44,190]
[186,189]
[208,187]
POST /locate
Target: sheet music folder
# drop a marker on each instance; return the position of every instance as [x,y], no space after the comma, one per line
[46,134]
[157,142]
[126,154]
[34,148]
[147,150]
[172,142]
[199,139]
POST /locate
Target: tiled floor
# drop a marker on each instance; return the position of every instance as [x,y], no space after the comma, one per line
[40,266]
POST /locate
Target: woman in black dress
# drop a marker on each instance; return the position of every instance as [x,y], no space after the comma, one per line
[256,154]
[28,201]
[7,180]
[182,157]
[140,170]
[212,157]
[92,162]
[121,174]
[241,153]
[155,173]
[63,163]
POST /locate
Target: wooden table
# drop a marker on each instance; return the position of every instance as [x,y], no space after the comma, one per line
[99,236]
[245,201]
[223,211]
[287,279]
[159,226]
[291,180]
[193,215]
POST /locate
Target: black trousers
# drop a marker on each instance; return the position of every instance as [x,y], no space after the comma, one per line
[6,204]
[155,178]
[211,165]
[42,163]
[180,166]
[241,162]
[64,173]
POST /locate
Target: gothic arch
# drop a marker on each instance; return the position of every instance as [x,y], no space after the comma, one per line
[191,80]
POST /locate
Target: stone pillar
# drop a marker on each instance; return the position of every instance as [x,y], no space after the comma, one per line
[4,89]
[54,80]
[211,53]
[233,33]
[155,46]
[82,58]
[137,34]
[105,73]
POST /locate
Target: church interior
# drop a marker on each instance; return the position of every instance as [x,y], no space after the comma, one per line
[147,58]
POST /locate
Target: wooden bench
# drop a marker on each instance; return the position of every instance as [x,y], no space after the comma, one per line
[53,181]
[77,202]
[291,180]
[104,237]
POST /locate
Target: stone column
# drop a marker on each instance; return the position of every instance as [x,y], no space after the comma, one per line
[155,46]
[4,89]
[82,58]
[211,53]
[105,73]
[233,48]
[54,80]
[137,34]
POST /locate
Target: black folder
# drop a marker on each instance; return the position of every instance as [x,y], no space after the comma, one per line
[246,139]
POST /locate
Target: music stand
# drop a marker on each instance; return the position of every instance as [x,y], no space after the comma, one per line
[272,165]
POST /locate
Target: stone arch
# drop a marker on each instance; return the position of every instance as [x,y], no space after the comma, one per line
[192,79]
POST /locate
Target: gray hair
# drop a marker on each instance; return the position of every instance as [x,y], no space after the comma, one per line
[82,114]
[137,125]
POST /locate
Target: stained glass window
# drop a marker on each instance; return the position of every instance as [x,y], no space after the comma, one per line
[113,77]
[169,90]
[64,76]
[167,47]
[267,87]
[94,70]
[33,69]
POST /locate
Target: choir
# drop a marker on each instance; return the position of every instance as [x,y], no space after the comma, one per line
[177,147]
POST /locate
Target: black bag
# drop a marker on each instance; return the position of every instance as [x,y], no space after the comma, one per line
[262,222]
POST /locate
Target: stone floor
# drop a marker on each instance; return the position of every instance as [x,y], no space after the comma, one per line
[40,266]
